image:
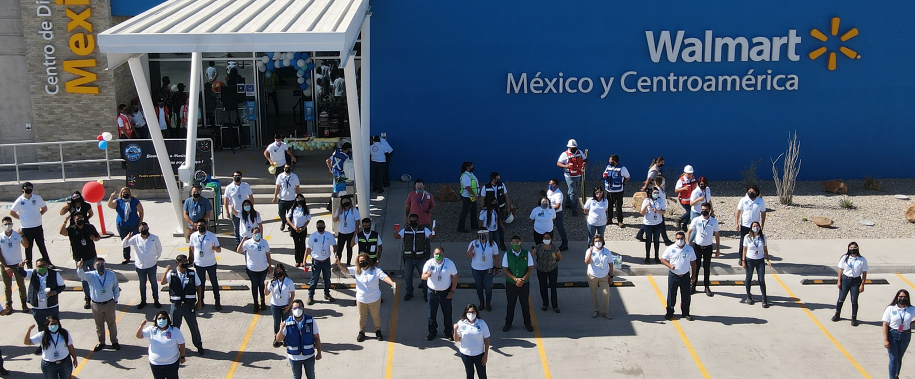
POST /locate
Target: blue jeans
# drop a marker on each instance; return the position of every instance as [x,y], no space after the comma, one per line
[760,266]
[899,341]
[236,223]
[318,269]
[560,227]
[148,274]
[595,229]
[849,285]
[88,265]
[257,279]
[693,215]
[436,299]
[680,283]
[278,317]
[474,362]
[483,281]
[308,365]
[123,231]
[468,208]
[186,311]
[214,282]
[574,184]
[409,266]
[57,371]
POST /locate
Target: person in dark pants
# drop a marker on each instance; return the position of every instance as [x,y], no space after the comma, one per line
[44,288]
[202,250]
[28,209]
[281,290]
[184,288]
[615,178]
[756,257]
[166,346]
[473,334]
[750,209]
[83,237]
[441,278]
[470,189]
[378,153]
[297,220]
[555,196]
[548,257]
[321,246]
[287,190]
[653,209]
[852,275]
[680,259]
[415,253]
[196,208]
[347,219]
[701,230]
[130,215]
[517,265]
[58,357]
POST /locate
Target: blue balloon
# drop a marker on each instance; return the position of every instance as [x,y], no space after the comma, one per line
[271,66]
[304,56]
[104,144]
[270,55]
[311,66]
[302,86]
[296,56]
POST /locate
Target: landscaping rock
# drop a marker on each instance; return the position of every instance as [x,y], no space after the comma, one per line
[447,195]
[637,199]
[835,186]
[910,212]
[822,222]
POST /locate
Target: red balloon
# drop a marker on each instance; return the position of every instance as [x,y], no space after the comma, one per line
[99,137]
[93,192]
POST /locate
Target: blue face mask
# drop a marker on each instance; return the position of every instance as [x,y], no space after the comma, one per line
[247,208]
[162,322]
[257,236]
[53,328]
[552,187]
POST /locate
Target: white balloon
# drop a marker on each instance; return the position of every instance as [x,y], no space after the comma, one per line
[287,62]
[107,136]
[300,80]
[265,59]
[262,68]
[307,61]
[300,73]
[268,74]
[300,63]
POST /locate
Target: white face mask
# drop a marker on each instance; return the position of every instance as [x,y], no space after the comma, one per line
[755,229]
[681,243]
[547,242]
[8,227]
[471,316]
[598,245]
[298,312]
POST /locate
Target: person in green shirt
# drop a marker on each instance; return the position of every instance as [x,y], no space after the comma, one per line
[517,264]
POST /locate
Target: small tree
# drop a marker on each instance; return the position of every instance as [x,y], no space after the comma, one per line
[784,185]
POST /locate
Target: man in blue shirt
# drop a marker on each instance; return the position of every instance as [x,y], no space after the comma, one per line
[196,208]
[104,292]
[336,160]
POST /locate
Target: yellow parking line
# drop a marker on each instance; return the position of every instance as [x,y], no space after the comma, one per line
[392,334]
[85,360]
[244,344]
[905,280]
[822,328]
[689,346]
[539,340]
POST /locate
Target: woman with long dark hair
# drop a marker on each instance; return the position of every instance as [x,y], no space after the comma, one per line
[652,210]
[852,275]
[756,257]
[130,215]
[166,346]
[489,217]
[548,256]
[281,290]
[250,219]
[470,189]
[298,218]
[473,335]
[347,219]
[897,329]
[596,210]
[257,263]
[58,356]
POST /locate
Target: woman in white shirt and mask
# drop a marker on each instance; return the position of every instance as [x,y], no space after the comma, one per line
[482,253]
[897,329]
[166,346]
[852,275]
[596,210]
[600,276]
[58,356]
[368,292]
[473,335]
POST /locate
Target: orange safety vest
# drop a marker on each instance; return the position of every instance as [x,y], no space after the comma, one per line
[576,161]
[127,129]
[690,185]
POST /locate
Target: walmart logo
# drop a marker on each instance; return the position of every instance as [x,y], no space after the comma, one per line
[834,31]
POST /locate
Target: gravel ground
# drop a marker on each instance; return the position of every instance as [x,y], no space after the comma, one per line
[783,222]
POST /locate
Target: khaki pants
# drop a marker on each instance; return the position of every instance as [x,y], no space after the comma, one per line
[8,288]
[375,309]
[105,313]
[602,302]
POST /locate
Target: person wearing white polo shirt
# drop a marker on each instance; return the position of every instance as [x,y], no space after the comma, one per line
[653,209]
[600,275]
[320,245]
[543,218]
[235,194]
[441,278]
[704,231]
[166,346]
[378,153]
[852,275]
[147,248]
[346,218]
[203,247]
[28,209]
[750,208]
[555,196]
[287,187]
[11,244]
[58,356]
[257,264]
[756,256]
[482,253]
[276,152]
[368,292]
[473,334]
[281,290]
[701,195]
[680,259]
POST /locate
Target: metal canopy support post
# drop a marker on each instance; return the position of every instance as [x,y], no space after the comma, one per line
[186,170]
[360,147]
[365,123]
[149,111]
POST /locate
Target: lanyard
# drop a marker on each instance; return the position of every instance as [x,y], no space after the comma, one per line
[286,185]
[102,279]
[902,315]
[421,196]
[756,242]
[53,340]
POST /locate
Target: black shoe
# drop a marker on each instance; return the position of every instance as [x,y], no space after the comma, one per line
[504,329]
[116,346]
[255,309]
[218,306]
[25,308]
[200,350]
[563,248]
[430,336]
[277,344]
[657,260]
[329,298]
[3,371]
[835,317]
[766,303]
[126,261]
[640,238]
[708,292]
[854,321]
[530,328]
[98,347]
[406,297]
[543,308]
[750,300]
[669,316]
[157,304]
[263,305]
[556,310]
[378,335]
[647,260]
[87,306]
[692,290]
[360,337]
[689,317]
[141,305]
[489,307]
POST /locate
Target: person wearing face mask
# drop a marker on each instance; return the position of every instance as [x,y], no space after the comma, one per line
[497,189]
[615,178]
[58,356]
[680,259]
[482,253]
[543,218]
[554,195]
[369,242]
[286,192]
[441,278]
[596,211]
[28,209]
[196,208]
[321,246]
[281,290]
[76,204]
[11,244]
[898,319]
[298,219]
[249,219]
[653,209]
[750,209]
[600,276]
[548,257]
[755,251]
[257,264]
[573,162]
[276,152]
[659,183]
[684,189]
[302,340]
[473,334]
[184,288]
[338,158]
[420,203]
[415,243]
[104,293]
[83,237]
[701,195]
[368,292]
[44,288]
[852,275]
[166,346]
[346,218]
[233,200]
[490,220]
[147,248]
[378,154]
[130,215]
[517,265]
[701,230]
[654,170]
[470,189]
[202,249]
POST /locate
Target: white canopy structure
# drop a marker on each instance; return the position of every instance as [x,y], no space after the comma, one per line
[208,26]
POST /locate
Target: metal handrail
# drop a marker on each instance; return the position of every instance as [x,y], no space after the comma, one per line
[63,172]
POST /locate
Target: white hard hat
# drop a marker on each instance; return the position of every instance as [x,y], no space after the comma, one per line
[509,219]
[688,169]
[572,143]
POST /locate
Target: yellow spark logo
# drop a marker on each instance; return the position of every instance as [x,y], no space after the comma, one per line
[834,30]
